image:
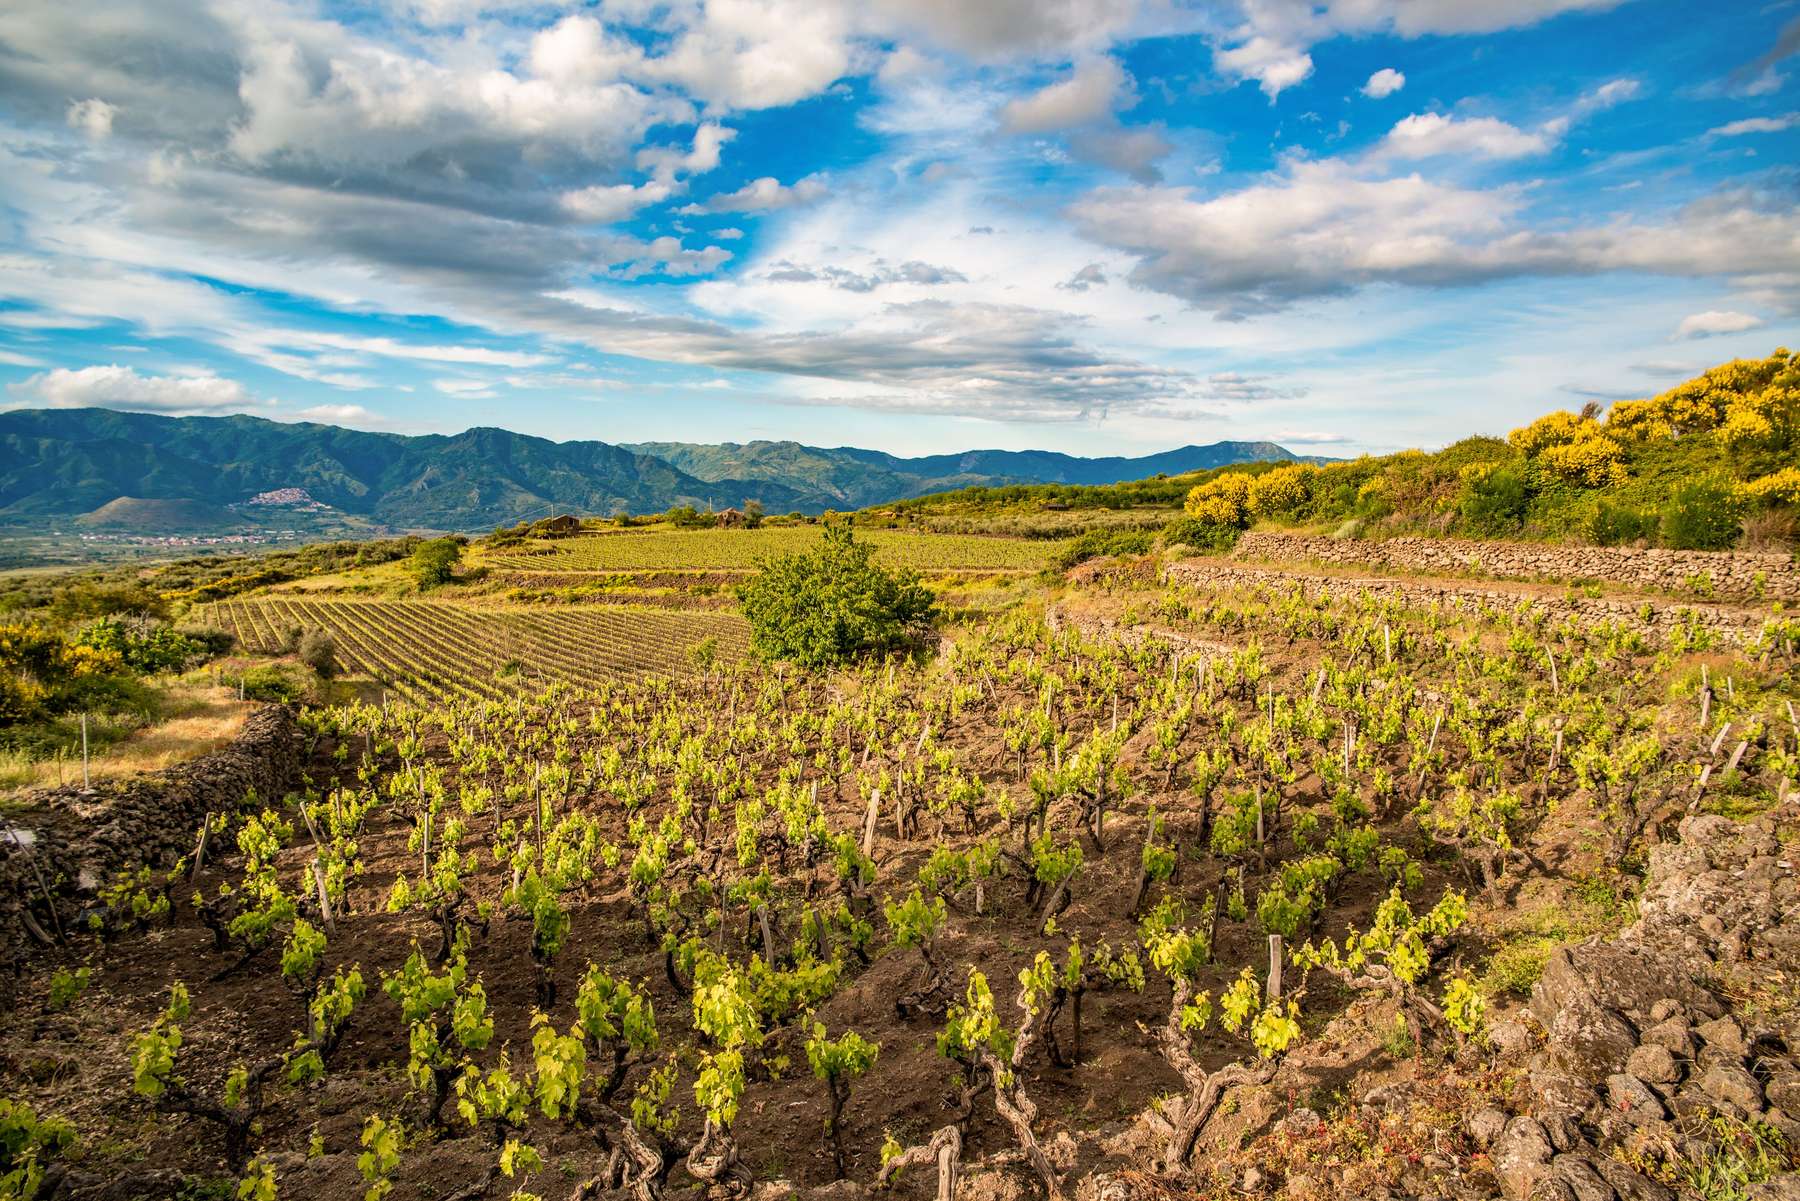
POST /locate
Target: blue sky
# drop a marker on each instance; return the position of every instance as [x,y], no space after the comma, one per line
[1097,226]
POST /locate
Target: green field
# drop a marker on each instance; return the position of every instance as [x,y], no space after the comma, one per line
[739,550]
[433,650]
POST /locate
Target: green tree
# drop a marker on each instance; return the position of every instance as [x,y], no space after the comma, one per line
[830,604]
[434,562]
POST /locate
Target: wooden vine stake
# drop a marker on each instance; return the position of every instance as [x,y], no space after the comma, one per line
[1274,968]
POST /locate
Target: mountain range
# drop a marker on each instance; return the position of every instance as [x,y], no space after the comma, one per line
[99,466]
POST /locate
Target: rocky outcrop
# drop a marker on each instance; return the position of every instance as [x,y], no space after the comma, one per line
[1635,1046]
[1735,574]
[64,844]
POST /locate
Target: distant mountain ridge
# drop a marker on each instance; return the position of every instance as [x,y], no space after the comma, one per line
[77,462]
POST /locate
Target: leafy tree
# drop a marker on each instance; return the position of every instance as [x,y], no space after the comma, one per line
[434,562]
[318,650]
[831,604]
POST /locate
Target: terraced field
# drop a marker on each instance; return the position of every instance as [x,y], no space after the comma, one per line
[737,550]
[434,651]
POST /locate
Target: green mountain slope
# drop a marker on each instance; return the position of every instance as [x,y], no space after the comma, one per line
[67,462]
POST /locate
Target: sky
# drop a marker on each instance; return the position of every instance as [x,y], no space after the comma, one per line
[1093,226]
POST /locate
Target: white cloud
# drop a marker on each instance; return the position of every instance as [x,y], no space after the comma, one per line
[1430,135]
[1714,321]
[1274,64]
[1292,438]
[1271,43]
[13,358]
[994,29]
[116,387]
[1321,229]
[615,202]
[763,195]
[1384,83]
[1612,92]
[1087,95]
[1748,125]
[465,389]
[94,117]
[353,416]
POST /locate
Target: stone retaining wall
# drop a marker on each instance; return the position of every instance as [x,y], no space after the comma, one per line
[1734,625]
[77,841]
[1735,574]
[1637,1042]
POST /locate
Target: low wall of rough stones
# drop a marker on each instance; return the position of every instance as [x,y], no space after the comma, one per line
[1637,1042]
[1742,575]
[1734,625]
[76,841]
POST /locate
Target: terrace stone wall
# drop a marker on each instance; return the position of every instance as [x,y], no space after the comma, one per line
[1735,574]
[76,841]
[1733,624]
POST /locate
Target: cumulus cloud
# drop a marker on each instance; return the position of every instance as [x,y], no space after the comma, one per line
[1090,276]
[1311,438]
[353,416]
[93,116]
[1712,322]
[1274,64]
[1272,41]
[1088,94]
[116,387]
[1003,28]
[1320,229]
[763,195]
[1383,83]
[605,203]
[1430,135]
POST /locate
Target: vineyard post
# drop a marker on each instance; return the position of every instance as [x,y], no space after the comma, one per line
[1705,696]
[870,817]
[200,847]
[1274,968]
[86,785]
[1794,722]
[318,875]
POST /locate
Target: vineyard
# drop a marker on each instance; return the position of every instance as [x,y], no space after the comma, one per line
[739,550]
[443,651]
[1137,897]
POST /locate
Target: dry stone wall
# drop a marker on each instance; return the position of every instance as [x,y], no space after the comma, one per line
[1740,575]
[1732,624]
[1630,1045]
[68,843]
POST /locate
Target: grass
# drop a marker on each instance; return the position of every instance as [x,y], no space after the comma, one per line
[195,718]
[739,550]
[1597,903]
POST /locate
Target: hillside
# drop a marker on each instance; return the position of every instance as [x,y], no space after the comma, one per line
[858,478]
[76,461]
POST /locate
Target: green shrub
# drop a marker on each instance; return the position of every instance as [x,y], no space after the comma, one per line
[1096,543]
[318,650]
[1617,525]
[1701,515]
[434,562]
[1493,501]
[1201,535]
[274,682]
[830,604]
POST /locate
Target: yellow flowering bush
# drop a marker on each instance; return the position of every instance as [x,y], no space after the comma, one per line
[1780,488]
[1282,491]
[1552,429]
[1593,460]
[1223,501]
